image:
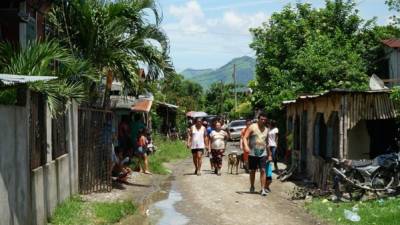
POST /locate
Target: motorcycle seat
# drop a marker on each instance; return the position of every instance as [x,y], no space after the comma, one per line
[361,163]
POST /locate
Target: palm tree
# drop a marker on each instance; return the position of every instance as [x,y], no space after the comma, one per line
[48,58]
[117,37]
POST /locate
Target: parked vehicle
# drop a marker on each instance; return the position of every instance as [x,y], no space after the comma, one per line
[235,127]
[355,177]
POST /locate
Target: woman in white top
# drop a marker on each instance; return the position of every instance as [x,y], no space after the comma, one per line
[218,138]
[197,142]
[273,142]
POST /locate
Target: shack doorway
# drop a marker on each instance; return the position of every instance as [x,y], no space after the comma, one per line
[382,135]
[370,138]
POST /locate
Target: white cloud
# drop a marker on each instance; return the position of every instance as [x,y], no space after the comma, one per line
[190,16]
[194,34]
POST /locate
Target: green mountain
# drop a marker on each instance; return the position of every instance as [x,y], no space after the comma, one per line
[191,73]
[245,71]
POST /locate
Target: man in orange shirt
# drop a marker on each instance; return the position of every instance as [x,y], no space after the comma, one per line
[245,154]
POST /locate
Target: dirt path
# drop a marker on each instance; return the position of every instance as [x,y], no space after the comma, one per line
[211,199]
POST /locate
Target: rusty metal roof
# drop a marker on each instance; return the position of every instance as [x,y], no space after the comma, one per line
[392,43]
[142,105]
[10,79]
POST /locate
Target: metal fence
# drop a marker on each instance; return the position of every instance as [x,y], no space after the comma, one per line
[59,136]
[37,130]
[94,150]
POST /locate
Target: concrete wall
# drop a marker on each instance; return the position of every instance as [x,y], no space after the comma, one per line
[358,141]
[56,181]
[14,166]
[30,197]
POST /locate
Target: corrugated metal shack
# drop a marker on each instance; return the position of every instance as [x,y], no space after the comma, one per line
[341,124]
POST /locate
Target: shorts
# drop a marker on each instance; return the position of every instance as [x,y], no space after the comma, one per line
[268,170]
[140,151]
[256,162]
[195,150]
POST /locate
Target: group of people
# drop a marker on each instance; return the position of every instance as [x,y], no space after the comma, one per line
[212,138]
[259,143]
[132,141]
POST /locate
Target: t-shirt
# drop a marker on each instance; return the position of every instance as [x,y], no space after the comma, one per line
[258,140]
[218,139]
[272,137]
[198,141]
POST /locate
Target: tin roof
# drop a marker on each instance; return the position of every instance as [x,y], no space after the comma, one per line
[338,91]
[167,105]
[392,43]
[122,102]
[9,79]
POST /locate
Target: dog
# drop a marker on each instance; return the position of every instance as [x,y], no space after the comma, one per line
[233,161]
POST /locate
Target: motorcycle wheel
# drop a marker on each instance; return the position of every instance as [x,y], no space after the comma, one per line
[381,179]
[345,190]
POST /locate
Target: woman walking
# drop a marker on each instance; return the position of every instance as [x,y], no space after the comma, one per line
[197,142]
[218,138]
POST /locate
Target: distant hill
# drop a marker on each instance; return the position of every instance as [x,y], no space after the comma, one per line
[245,71]
[191,73]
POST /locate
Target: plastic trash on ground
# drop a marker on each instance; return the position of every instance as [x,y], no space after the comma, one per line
[352,216]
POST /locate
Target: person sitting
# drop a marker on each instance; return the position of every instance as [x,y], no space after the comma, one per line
[120,170]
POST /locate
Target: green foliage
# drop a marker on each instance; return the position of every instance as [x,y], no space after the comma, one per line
[8,96]
[377,212]
[114,36]
[394,5]
[167,151]
[183,93]
[112,212]
[306,50]
[39,59]
[70,211]
[78,212]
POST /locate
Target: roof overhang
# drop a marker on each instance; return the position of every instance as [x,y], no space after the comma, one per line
[10,79]
[142,105]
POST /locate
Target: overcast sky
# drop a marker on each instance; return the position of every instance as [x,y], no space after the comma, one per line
[209,33]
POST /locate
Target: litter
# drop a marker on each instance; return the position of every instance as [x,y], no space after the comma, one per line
[352,216]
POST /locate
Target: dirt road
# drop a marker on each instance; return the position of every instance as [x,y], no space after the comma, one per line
[211,199]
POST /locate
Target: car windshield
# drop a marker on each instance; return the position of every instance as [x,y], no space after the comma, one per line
[238,123]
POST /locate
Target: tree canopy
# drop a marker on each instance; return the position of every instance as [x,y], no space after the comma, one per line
[308,50]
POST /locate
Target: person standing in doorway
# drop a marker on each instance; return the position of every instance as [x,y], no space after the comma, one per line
[197,142]
[217,145]
[241,144]
[273,143]
[255,143]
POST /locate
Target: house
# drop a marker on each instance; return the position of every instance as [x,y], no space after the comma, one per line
[341,124]
[390,63]
[22,21]
[38,154]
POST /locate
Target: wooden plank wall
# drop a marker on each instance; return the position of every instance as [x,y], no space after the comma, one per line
[352,108]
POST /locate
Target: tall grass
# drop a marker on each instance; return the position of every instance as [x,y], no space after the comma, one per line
[167,151]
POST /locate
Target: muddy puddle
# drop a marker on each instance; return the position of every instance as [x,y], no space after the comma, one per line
[165,213]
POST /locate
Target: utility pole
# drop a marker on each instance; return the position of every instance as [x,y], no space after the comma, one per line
[222,98]
[234,85]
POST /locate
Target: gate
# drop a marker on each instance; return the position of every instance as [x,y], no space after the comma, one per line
[94,150]
[37,130]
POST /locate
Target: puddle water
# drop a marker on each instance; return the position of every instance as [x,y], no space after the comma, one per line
[164,212]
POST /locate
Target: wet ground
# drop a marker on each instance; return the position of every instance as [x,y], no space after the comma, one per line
[184,198]
[211,199]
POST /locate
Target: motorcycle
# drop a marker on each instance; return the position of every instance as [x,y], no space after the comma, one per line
[356,177]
